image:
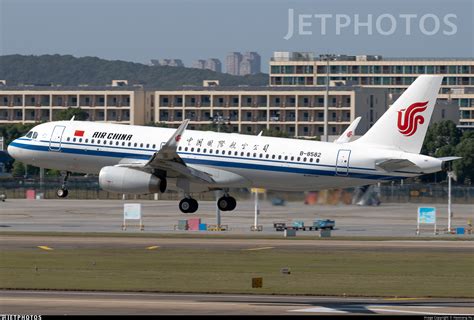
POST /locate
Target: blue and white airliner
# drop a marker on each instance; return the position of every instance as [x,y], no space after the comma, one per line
[140,160]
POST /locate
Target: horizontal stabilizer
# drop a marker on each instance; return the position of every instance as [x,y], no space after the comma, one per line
[446,159]
[390,165]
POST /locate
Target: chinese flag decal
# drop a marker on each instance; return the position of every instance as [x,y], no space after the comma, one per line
[79,133]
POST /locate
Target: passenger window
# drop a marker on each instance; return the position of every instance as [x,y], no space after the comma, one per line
[261,155]
[154,146]
[73,139]
[248,154]
[135,144]
[123,144]
[148,146]
[87,140]
[236,153]
[317,160]
[98,141]
[68,139]
[267,156]
[80,139]
[192,149]
[105,141]
[254,155]
[117,143]
[129,144]
[111,142]
[286,157]
[205,150]
[304,159]
[179,148]
[92,141]
[198,150]
[292,158]
[279,157]
[141,145]
[241,154]
[210,150]
[298,159]
[186,149]
[310,159]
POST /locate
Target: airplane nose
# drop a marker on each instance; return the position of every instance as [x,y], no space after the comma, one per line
[12,151]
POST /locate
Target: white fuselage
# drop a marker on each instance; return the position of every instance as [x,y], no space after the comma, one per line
[267,162]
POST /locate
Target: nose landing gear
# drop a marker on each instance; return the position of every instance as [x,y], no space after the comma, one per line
[63,192]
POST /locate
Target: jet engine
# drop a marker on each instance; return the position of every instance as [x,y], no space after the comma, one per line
[127,180]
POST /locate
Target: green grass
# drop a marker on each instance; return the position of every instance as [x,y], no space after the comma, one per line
[313,272]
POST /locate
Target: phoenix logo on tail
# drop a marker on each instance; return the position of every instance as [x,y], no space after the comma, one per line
[409,119]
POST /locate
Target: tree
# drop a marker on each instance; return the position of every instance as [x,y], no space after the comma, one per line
[464,167]
[440,141]
[77,113]
[18,169]
[275,133]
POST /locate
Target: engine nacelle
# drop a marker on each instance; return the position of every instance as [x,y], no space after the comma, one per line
[126,180]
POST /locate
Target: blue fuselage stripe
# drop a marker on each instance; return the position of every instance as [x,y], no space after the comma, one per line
[229,163]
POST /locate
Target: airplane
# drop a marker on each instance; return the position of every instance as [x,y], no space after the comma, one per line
[139,160]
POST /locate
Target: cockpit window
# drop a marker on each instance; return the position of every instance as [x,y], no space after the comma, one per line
[29,134]
[35,135]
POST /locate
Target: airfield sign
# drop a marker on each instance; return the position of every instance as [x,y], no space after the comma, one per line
[426,215]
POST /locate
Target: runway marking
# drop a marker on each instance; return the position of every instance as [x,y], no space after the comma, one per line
[375,308]
[402,299]
[152,247]
[320,310]
[45,248]
[260,248]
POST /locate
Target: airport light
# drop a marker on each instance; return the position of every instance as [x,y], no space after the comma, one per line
[327,57]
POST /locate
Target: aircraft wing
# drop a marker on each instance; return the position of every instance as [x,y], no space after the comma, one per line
[347,135]
[390,165]
[167,159]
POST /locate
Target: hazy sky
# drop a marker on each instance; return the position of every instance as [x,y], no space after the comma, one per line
[140,30]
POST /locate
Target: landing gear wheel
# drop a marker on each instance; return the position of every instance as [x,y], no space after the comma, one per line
[188,205]
[62,193]
[226,203]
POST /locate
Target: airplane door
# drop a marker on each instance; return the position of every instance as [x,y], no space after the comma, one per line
[342,162]
[56,136]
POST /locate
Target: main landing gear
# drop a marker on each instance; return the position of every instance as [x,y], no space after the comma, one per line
[63,192]
[190,205]
[226,203]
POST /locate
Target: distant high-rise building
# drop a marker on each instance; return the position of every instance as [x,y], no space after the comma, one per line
[243,64]
[233,63]
[213,64]
[250,64]
[167,62]
[199,64]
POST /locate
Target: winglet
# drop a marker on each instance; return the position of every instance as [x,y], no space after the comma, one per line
[176,137]
[73,117]
[347,135]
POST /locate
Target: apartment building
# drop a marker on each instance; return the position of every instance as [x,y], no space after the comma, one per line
[297,111]
[394,74]
[119,103]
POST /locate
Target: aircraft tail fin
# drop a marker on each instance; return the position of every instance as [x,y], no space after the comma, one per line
[403,126]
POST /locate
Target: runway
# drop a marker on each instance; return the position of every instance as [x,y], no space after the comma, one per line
[77,242]
[101,303]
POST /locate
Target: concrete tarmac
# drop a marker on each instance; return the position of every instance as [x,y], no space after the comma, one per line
[114,303]
[398,220]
